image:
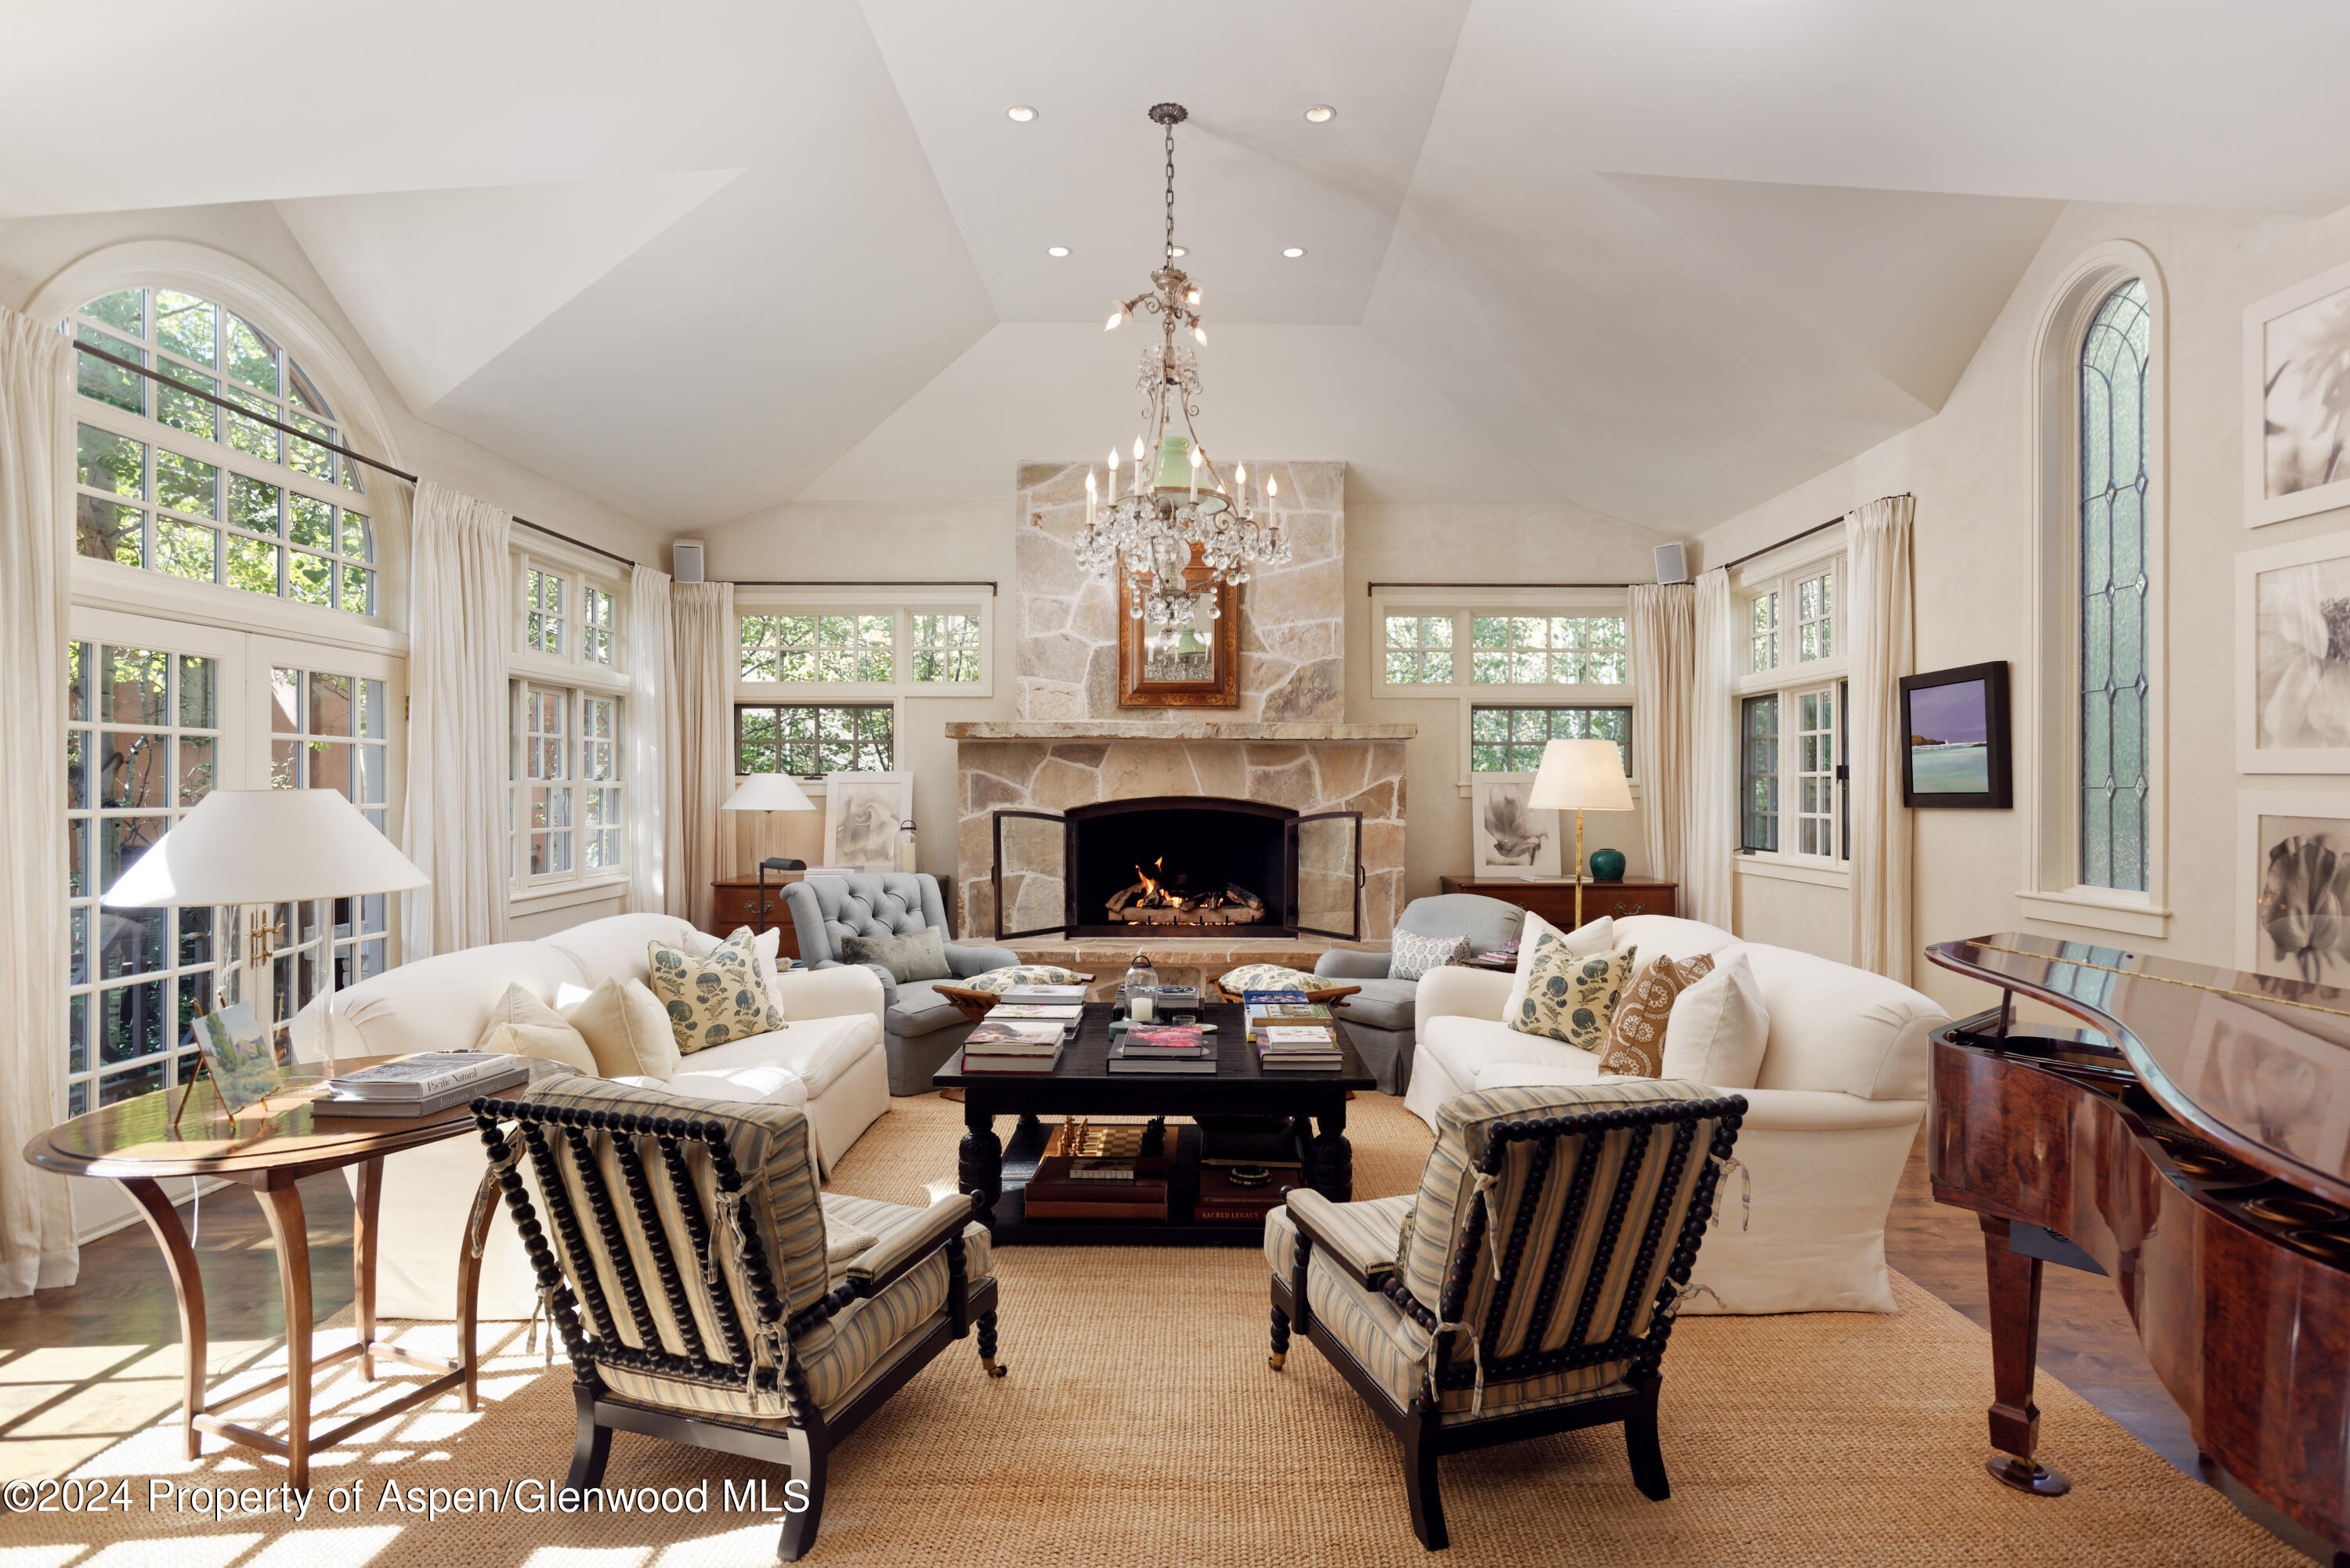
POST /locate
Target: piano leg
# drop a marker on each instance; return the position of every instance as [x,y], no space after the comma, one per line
[2014,1351]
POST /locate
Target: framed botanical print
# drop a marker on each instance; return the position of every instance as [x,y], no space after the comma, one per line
[2292,658]
[1195,664]
[2297,400]
[1507,836]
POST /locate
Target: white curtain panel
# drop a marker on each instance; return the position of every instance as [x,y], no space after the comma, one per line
[1712,822]
[654,845]
[707,654]
[1663,637]
[37,1230]
[1879,616]
[461,614]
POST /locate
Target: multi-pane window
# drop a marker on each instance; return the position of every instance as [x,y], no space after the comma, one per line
[1510,740]
[544,765]
[600,771]
[1758,773]
[945,648]
[811,739]
[142,743]
[1763,632]
[329,731]
[1418,650]
[1815,618]
[1546,650]
[543,617]
[179,485]
[1815,780]
[848,649]
[595,616]
[2113,585]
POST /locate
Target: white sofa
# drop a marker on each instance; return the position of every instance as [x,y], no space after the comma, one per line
[827,1060]
[1833,1111]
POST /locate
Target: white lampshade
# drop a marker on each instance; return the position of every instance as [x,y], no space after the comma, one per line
[768,791]
[1580,775]
[265,846]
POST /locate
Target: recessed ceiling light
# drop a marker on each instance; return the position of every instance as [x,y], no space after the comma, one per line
[1024,113]
[1293,252]
[1180,251]
[1057,250]
[1321,113]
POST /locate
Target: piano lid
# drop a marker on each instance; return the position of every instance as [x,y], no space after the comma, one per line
[2259,1064]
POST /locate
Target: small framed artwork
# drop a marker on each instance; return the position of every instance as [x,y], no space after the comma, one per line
[1509,838]
[238,1055]
[2292,658]
[1194,664]
[1956,757]
[2297,400]
[863,814]
[2293,877]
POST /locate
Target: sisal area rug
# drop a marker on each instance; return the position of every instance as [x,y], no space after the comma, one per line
[1140,1425]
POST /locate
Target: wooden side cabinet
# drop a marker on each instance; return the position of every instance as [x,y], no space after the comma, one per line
[1553,898]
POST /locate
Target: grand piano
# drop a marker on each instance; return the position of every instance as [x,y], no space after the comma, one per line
[2193,1141]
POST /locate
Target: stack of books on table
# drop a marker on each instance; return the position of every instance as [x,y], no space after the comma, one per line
[1163,1048]
[1291,1034]
[420,1085]
[1043,993]
[1014,1046]
[1065,1014]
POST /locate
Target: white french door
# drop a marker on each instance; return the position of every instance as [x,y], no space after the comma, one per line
[161,713]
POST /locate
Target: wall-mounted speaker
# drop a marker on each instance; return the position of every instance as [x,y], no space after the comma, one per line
[1672,563]
[685,561]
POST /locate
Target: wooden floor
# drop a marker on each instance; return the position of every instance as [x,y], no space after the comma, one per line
[81,1369]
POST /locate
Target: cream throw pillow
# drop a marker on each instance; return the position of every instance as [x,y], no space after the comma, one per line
[1598,936]
[1571,998]
[627,1029]
[535,1029]
[1719,1027]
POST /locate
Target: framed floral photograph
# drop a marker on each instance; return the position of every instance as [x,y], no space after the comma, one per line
[1507,837]
[2297,400]
[2292,658]
[2292,888]
[864,817]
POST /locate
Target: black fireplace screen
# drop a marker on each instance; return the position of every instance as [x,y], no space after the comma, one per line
[1178,866]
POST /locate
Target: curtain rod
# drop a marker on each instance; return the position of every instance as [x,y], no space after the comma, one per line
[1373,588]
[1751,554]
[988,584]
[375,462]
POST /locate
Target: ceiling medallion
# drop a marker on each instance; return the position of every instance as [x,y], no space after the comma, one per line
[1180,530]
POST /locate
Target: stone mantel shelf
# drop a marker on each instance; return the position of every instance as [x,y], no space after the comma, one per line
[1193,729]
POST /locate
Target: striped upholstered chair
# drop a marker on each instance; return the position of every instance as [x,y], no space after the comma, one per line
[729,1304]
[1528,1287]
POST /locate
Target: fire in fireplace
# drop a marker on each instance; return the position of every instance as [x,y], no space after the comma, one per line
[1153,900]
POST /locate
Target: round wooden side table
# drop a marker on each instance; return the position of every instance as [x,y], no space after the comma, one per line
[270,1148]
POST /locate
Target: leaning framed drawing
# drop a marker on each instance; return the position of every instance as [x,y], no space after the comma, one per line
[2297,400]
[1507,836]
[2293,884]
[2292,658]
[864,814]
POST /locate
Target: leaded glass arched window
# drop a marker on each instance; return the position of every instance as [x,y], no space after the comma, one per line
[2113,585]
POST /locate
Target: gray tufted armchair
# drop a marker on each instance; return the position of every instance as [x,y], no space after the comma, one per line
[1381,1018]
[920,1028]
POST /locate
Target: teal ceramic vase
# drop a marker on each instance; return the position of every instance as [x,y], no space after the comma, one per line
[1606,866]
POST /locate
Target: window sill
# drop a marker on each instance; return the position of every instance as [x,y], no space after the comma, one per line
[1787,870]
[528,900]
[2129,917]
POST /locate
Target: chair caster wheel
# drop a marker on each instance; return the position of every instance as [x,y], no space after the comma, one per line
[1278,1359]
[995,1368]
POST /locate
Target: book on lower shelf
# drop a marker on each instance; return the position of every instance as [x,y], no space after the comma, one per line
[1222,1200]
[1116,1171]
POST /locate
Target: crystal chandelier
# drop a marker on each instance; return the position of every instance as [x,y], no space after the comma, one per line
[1180,530]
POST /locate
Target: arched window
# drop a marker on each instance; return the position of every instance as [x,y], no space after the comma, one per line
[179,485]
[2116,770]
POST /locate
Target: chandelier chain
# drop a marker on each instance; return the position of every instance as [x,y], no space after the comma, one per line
[1171,192]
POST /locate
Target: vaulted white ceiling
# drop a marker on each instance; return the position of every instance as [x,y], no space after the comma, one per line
[1664,258]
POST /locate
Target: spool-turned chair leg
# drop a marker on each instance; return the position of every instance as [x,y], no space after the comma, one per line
[1640,1445]
[1280,1356]
[985,1325]
[1420,1479]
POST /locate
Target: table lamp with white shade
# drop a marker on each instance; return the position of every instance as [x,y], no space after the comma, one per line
[1580,776]
[241,847]
[770,792]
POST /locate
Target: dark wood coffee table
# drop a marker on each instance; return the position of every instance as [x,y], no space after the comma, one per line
[1082,1084]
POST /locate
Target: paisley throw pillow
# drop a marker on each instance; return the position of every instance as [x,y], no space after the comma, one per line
[1635,1038]
[995,982]
[712,1001]
[1415,955]
[1572,997]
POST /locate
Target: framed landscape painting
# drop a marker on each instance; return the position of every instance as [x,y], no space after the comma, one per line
[2297,400]
[1957,755]
[2292,658]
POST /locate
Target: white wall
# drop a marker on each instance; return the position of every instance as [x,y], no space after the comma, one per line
[1970,469]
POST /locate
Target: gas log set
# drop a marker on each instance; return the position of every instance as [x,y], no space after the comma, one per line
[1153,902]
